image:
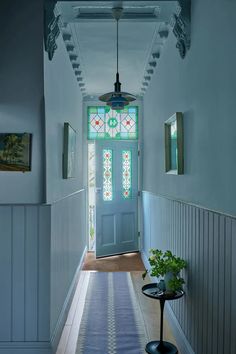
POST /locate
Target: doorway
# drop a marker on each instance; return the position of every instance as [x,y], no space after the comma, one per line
[112,180]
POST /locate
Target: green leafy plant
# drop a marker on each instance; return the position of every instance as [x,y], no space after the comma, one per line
[163,263]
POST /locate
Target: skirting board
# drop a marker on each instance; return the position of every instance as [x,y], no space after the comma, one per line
[64,312]
[182,342]
[25,348]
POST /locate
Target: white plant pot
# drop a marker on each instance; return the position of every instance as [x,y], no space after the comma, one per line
[168,276]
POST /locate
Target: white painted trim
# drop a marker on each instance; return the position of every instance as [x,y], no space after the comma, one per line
[145,259]
[181,340]
[188,203]
[63,198]
[95,102]
[47,203]
[25,348]
[55,338]
[24,345]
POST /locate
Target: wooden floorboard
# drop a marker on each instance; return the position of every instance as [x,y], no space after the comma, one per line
[149,308]
[120,263]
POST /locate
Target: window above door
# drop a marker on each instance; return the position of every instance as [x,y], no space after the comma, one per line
[105,123]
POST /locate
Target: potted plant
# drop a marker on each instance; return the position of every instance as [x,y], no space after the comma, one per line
[167,266]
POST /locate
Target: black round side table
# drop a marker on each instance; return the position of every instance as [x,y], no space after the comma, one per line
[160,346]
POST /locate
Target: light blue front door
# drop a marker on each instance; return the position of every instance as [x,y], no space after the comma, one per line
[116,197]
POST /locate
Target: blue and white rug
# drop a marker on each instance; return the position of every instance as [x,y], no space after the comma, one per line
[111,321]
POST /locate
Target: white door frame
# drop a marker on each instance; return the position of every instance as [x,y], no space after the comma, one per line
[95,102]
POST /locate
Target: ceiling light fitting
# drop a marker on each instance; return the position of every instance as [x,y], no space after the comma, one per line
[117,99]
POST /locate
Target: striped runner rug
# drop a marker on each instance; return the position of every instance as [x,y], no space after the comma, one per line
[112,322]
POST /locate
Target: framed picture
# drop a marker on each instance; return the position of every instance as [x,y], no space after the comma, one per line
[174,158]
[15,152]
[69,152]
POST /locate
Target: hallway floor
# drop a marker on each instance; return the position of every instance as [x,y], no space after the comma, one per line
[120,263]
[149,308]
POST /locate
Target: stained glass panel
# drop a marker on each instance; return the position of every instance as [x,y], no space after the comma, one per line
[105,123]
[107,175]
[126,174]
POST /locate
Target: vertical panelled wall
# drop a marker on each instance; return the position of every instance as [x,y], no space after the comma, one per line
[25,277]
[207,240]
[68,243]
[41,249]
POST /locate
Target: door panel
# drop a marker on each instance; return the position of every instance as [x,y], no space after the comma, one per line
[116,197]
[108,227]
[128,227]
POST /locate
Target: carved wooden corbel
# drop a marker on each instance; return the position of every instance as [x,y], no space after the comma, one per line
[181,26]
[51,28]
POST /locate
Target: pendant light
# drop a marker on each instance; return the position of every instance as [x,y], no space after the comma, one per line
[117,99]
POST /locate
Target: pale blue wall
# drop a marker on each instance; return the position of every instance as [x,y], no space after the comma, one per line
[41,246]
[63,103]
[203,87]
[21,93]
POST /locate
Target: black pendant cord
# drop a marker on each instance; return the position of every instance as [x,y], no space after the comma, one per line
[117,41]
[117,83]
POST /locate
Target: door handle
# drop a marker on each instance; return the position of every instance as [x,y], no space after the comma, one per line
[98,189]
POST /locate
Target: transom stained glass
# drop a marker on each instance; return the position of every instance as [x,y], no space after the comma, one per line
[105,123]
[126,174]
[107,175]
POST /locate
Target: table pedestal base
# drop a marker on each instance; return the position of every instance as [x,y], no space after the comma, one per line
[165,347]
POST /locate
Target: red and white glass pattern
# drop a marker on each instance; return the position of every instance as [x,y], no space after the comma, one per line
[126,173]
[105,123]
[107,175]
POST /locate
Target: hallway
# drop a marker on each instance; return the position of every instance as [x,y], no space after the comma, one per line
[162,173]
[149,308]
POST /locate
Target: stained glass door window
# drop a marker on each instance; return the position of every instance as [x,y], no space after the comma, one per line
[126,174]
[107,175]
[105,123]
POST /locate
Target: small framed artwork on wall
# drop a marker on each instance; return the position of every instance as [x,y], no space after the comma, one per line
[15,152]
[174,154]
[69,152]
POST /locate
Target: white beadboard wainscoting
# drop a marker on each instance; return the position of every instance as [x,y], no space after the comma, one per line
[204,320]
[68,247]
[25,279]
[41,248]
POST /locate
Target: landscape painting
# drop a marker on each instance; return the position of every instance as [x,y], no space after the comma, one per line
[15,152]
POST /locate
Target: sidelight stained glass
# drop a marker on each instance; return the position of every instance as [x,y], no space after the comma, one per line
[126,174]
[105,123]
[107,175]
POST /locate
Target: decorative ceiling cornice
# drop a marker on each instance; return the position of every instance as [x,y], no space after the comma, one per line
[170,15]
[73,54]
[51,28]
[180,23]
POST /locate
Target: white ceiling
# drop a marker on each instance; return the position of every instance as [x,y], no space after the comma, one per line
[91,37]
[98,54]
